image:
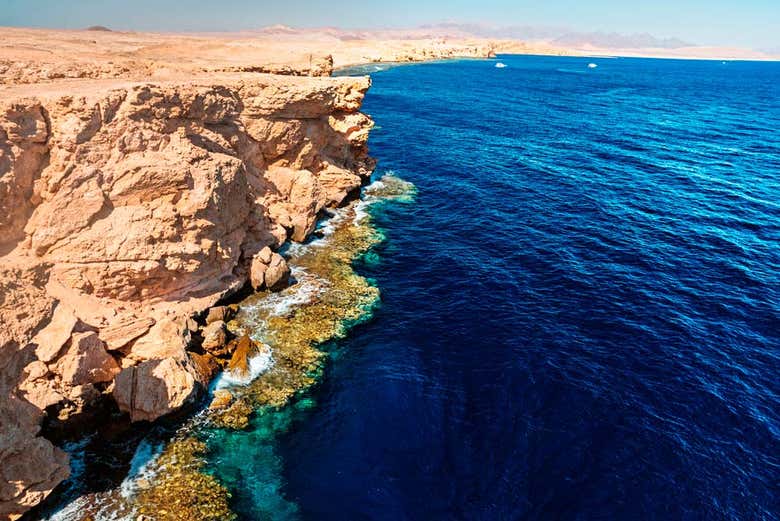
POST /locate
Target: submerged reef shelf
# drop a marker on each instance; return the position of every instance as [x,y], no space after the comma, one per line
[327,297]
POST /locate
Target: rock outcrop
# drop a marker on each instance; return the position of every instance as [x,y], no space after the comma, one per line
[129,208]
[215,335]
[156,387]
[219,313]
[268,269]
[245,349]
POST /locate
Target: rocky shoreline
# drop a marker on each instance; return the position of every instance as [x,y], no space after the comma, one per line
[283,333]
[129,209]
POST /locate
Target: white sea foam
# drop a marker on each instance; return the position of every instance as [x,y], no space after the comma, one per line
[378,183]
[67,512]
[361,211]
[72,511]
[328,225]
[140,467]
[307,288]
[258,364]
[101,508]
[108,506]
[325,229]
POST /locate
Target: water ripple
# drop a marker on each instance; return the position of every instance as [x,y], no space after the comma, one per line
[580,314]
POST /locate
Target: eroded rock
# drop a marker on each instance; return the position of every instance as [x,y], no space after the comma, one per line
[86,362]
[155,388]
[124,330]
[245,348]
[269,270]
[215,336]
[129,208]
[222,399]
[31,468]
[52,338]
[220,313]
[277,273]
[206,367]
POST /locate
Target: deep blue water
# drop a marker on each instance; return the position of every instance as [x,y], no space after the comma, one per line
[580,313]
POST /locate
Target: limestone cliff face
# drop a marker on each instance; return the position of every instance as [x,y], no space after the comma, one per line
[125,209]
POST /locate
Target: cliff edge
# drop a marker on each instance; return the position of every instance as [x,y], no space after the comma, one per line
[143,178]
[128,208]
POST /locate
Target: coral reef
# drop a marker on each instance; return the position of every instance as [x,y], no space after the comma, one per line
[296,334]
[182,490]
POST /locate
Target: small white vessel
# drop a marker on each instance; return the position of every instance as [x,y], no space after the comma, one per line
[500,65]
[592,66]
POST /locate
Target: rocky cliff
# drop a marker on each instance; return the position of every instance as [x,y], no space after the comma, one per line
[126,210]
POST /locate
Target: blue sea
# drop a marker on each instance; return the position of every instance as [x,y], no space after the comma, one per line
[580,313]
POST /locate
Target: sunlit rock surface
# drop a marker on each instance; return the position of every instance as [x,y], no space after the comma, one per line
[128,208]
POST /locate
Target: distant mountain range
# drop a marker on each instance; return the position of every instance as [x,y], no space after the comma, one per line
[553,36]
[560,36]
[529,38]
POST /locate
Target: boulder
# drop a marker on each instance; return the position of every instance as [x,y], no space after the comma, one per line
[190,325]
[269,270]
[124,330]
[154,388]
[245,348]
[220,313]
[257,273]
[167,338]
[38,386]
[52,337]
[277,274]
[31,468]
[265,255]
[206,367]
[36,370]
[86,361]
[215,336]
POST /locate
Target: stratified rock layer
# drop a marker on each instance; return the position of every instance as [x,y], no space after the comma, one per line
[128,208]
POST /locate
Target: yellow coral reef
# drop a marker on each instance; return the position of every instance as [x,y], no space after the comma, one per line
[339,297]
[343,297]
[182,490]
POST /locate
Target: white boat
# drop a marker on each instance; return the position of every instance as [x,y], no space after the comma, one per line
[500,65]
[592,66]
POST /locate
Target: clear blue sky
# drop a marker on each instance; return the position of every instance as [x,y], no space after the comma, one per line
[750,23]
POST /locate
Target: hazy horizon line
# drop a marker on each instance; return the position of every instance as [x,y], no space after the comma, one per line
[533,33]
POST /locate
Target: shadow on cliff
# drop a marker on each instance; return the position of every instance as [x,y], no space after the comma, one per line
[101,445]
[21,191]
